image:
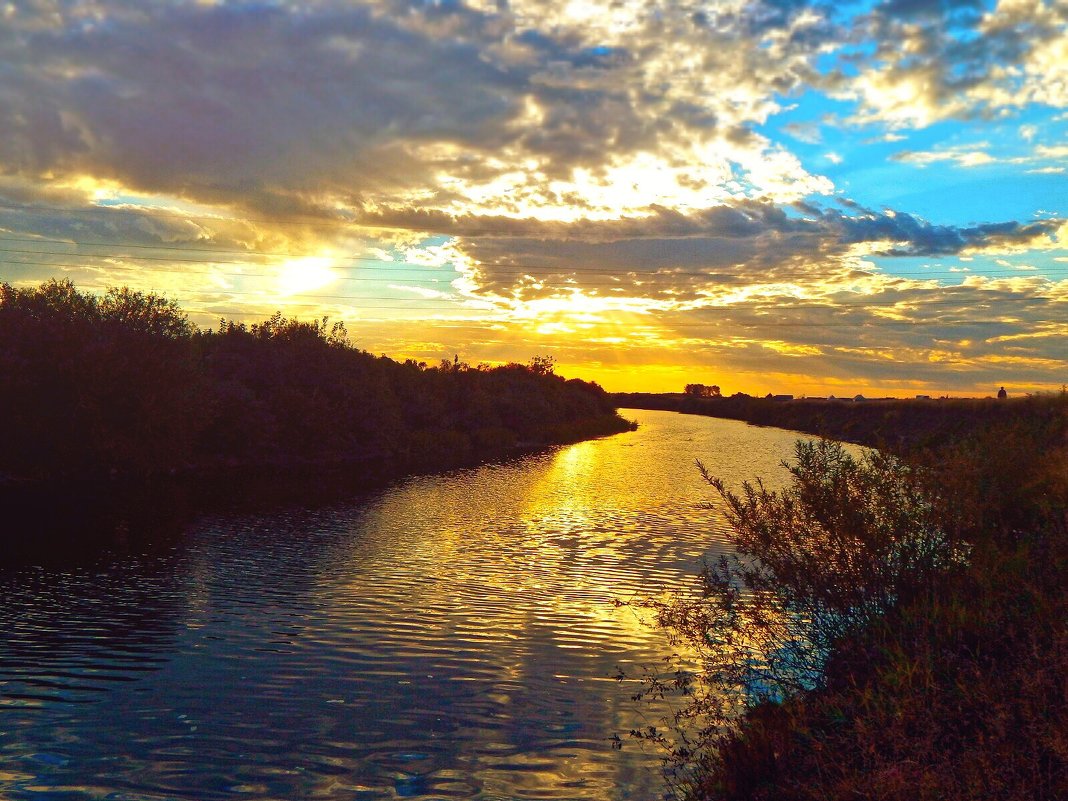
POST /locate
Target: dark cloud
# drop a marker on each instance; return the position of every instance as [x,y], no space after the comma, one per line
[282,106]
[920,238]
[926,8]
[726,245]
[202,100]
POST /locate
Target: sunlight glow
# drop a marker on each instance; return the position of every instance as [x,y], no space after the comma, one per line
[771,196]
[580,307]
[306,275]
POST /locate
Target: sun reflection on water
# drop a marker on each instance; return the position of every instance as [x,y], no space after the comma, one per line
[454,636]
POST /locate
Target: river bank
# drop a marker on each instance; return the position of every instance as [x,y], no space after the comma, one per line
[123,388]
[899,425]
[75,517]
[906,636]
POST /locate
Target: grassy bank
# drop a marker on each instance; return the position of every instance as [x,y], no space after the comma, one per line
[124,386]
[894,627]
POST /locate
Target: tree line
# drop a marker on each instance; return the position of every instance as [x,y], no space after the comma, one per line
[125,384]
[893,423]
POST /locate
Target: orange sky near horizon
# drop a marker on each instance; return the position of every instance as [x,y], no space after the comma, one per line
[801,197]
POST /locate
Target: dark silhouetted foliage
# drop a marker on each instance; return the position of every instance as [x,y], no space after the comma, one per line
[702,391]
[125,384]
[896,424]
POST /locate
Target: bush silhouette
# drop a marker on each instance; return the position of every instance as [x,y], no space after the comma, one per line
[125,384]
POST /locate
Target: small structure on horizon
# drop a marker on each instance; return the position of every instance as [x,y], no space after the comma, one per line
[1002,394]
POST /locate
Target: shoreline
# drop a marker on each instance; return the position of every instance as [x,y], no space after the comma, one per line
[382,467]
[66,518]
[897,425]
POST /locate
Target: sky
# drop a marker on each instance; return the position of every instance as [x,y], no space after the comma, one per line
[772,196]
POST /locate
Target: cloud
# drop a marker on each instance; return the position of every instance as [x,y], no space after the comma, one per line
[287,110]
[743,236]
[906,333]
[962,60]
[528,109]
[575,163]
[272,102]
[961,156]
[978,154]
[807,132]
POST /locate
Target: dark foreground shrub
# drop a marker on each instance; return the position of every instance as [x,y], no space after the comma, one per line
[885,631]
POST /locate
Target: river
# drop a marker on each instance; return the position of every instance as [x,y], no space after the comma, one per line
[449,636]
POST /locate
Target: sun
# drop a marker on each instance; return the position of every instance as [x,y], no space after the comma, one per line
[306,275]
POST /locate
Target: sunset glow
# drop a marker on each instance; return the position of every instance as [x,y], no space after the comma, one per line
[305,275]
[806,197]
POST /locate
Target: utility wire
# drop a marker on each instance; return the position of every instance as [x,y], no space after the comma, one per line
[619,276]
[781,303]
[259,254]
[636,324]
[444,282]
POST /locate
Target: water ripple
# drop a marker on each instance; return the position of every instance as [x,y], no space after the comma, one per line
[451,637]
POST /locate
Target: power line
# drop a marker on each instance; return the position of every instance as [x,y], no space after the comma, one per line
[84,243]
[781,303]
[257,254]
[635,321]
[131,208]
[428,282]
[166,271]
[735,315]
[501,269]
[520,270]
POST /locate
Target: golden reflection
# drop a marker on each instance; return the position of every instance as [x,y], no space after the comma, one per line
[506,578]
[564,495]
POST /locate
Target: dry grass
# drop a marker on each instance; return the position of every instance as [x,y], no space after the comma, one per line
[957,688]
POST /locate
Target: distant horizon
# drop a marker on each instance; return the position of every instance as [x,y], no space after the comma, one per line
[812,197]
[872,397]
[679,376]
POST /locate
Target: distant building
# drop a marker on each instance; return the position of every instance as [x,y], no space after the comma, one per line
[1002,394]
[923,397]
[782,397]
[859,398]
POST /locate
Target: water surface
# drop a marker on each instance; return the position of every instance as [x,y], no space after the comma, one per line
[451,636]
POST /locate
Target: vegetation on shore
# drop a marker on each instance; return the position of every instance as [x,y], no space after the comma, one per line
[124,384]
[891,627]
[897,424]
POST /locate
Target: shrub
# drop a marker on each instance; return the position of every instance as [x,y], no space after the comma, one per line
[850,650]
[814,564]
